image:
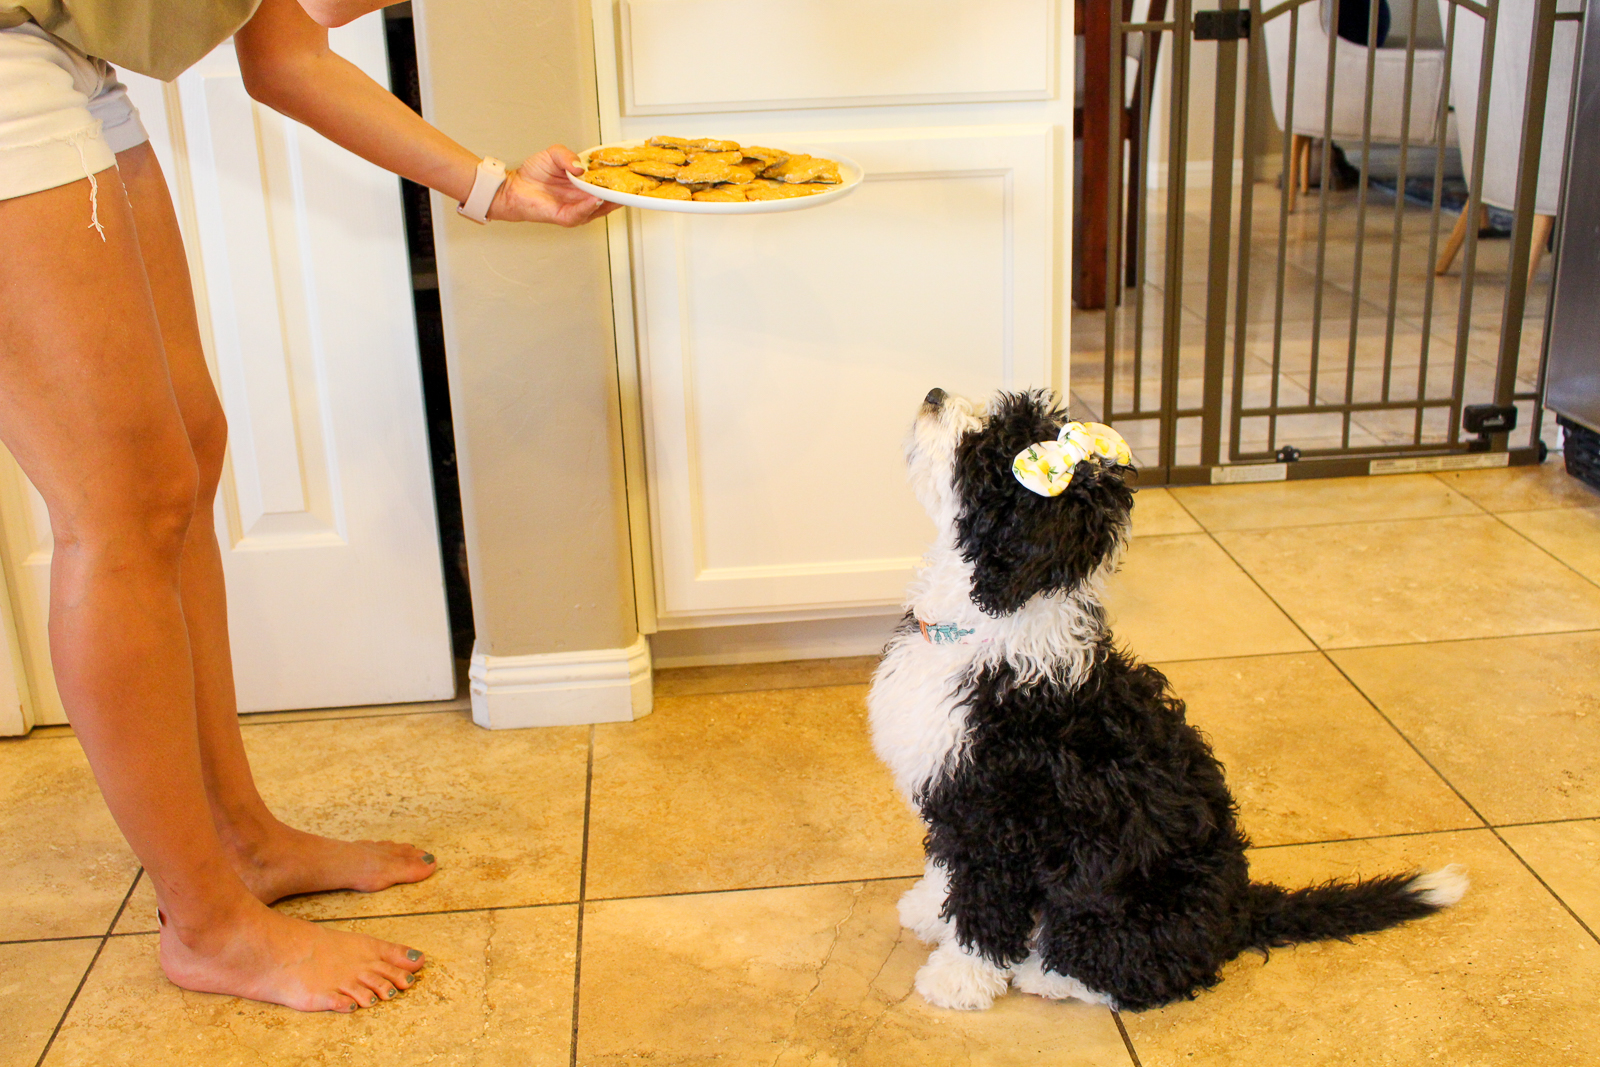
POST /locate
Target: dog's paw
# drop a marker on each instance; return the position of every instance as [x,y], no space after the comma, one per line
[920,908]
[1031,977]
[954,978]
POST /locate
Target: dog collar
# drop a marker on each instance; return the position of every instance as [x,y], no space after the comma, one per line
[948,633]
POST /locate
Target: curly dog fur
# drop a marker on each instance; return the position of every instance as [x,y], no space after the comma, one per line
[1081,838]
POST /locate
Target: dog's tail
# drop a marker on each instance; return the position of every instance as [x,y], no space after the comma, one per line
[1340,910]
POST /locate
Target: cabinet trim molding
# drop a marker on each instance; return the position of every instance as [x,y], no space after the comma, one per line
[561,688]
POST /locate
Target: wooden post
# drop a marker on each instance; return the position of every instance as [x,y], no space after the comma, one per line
[1089,253]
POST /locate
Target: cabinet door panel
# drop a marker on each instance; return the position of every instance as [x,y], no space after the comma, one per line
[773,485]
[687,56]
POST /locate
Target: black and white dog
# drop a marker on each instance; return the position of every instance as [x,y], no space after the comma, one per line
[1081,841]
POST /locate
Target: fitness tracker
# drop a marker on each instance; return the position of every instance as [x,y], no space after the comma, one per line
[491,176]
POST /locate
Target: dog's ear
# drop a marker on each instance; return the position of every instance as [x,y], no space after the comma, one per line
[1021,544]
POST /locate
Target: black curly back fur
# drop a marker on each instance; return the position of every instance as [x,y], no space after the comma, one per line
[1022,544]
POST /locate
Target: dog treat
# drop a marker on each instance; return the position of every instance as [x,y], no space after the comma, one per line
[765,156]
[705,171]
[621,157]
[721,194]
[767,189]
[620,179]
[710,170]
[726,157]
[670,191]
[655,168]
[798,169]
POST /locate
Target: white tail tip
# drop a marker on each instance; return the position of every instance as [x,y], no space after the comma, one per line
[1440,888]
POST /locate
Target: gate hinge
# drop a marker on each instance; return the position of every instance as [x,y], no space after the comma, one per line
[1222,25]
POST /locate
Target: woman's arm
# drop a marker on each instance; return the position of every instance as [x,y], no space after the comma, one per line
[287,65]
[331,13]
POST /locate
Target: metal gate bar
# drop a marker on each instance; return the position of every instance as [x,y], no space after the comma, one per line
[1126,259]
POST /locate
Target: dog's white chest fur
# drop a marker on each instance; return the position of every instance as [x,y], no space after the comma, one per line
[918,723]
[916,710]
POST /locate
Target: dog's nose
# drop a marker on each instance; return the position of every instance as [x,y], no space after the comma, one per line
[935,398]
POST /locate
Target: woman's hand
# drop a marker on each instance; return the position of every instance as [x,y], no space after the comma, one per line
[538,191]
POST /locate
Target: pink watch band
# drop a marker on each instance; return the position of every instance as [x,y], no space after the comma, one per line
[490,177]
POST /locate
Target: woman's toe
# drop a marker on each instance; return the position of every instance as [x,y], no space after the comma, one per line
[392,977]
[410,960]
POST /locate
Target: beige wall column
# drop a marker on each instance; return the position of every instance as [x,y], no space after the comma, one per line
[533,382]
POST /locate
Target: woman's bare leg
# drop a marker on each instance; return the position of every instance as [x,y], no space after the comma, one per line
[274,860]
[87,407]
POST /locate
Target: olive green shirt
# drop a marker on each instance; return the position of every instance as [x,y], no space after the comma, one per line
[161,38]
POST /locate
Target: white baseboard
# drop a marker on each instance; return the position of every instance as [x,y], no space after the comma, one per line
[561,688]
[773,642]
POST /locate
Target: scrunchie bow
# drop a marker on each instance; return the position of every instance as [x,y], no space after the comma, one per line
[1046,468]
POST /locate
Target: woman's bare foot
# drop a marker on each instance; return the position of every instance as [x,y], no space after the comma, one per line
[283,862]
[262,955]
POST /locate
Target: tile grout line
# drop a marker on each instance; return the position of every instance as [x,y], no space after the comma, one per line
[758,888]
[1480,514]
[50,940]
[1401,734]
[1364,696]
[532,907]
[1334,664]
[1546,551]
[67,733]
[1493,829]
[367,918]
[1392,644]
[73,1000]
[1377,837]
[1127,1042]
[583,892]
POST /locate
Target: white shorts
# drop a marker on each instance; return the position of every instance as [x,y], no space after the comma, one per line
[63,115]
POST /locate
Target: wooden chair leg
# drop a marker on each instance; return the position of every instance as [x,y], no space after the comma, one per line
[1292,179]
[1542,227]
[1452,244]
[1305,164]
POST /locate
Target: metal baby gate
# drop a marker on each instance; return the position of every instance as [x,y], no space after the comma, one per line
[1259,329]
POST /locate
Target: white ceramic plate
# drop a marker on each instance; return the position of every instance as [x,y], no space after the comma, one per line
[849,170]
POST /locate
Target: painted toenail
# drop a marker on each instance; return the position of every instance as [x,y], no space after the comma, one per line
[372,999]
[413,955]
[427,857]
[389,992]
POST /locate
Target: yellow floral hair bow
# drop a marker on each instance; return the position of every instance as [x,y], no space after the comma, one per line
[1046,468]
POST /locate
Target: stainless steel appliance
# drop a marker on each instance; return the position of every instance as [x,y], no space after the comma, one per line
[1572,388]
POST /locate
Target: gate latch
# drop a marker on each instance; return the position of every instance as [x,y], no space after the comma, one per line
[1487,419]
[1222,25]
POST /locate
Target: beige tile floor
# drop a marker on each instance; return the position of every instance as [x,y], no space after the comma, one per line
[1397,673]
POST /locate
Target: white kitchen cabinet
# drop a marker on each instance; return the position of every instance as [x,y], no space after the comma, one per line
[772,363]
